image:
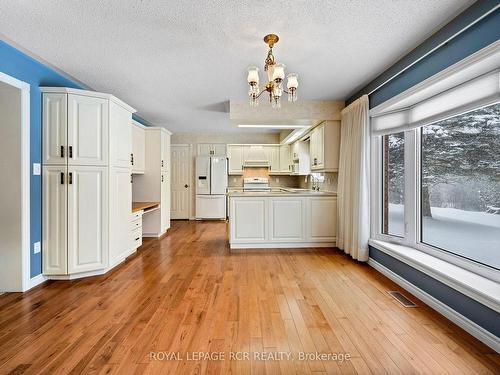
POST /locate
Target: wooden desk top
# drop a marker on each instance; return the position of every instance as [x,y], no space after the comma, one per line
[139,206]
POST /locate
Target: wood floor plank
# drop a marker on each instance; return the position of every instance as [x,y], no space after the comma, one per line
[188,293]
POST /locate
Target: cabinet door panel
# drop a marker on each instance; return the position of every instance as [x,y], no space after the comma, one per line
[204,149]
[322,219]
[87,219]
[250,220]
[287,219]
[87,130]
[121,136]
[120,244]
[165,151]
[235,155]
[138,149]
[54,223]
[165,202]
[285,159]
[219,149]
[54,128]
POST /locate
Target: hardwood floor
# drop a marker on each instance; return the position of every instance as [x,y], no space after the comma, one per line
[188,293]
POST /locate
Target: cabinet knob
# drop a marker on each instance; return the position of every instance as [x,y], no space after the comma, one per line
[186,186]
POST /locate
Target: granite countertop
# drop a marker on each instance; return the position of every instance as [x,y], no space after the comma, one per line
[278,192]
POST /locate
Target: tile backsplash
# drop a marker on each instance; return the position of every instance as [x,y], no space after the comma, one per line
[329,184]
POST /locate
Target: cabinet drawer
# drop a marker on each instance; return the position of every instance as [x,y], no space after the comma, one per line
[137,238]
[137,223]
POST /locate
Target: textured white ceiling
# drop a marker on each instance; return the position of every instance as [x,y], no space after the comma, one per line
[180,62]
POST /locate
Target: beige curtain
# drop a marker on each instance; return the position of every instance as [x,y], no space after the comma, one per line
[354,180]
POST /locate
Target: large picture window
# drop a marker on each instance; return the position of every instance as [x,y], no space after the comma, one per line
[460,185]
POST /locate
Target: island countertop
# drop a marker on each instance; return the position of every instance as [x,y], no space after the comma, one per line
[279,192]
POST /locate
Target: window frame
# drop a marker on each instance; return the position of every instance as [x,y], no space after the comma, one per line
[412,204]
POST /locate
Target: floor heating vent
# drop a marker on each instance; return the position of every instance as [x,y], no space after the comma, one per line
[402,299]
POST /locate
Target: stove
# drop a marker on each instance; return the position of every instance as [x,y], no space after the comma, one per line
[256,184]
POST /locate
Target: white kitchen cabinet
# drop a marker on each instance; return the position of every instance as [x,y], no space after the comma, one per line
[154,184]
[272,153]
[54,219]
[120,204]
[300,163]
[235,156]
[255,154]
[322,219]
[325,147]
[286,218]
[55,125]
[86,187]
[282,221]
[138,148]
[249,220]
[87,218]
[121,143]
[87,129]
[285,159]
[211,149]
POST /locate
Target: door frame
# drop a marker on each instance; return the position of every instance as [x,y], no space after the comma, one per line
[190,173]
[26,281]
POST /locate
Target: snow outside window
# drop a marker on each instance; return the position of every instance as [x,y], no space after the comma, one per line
[460,185]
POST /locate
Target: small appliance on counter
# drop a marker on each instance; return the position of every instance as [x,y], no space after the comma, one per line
[211,187]
[256,184]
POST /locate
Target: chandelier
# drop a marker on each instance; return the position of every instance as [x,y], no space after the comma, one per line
[275,75]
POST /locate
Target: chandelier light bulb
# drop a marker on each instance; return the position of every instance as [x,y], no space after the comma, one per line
[293,81]
[279,72]
[253,75]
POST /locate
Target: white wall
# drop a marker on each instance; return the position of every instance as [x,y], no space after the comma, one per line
[10,197]
[227,138]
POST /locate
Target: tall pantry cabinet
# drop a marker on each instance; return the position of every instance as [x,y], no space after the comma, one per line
[86,182]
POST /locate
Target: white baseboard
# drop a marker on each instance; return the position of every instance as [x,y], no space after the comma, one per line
[280,245]
[37,280]
[468,325]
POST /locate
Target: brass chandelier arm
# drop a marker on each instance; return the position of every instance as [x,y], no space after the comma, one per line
[263,90]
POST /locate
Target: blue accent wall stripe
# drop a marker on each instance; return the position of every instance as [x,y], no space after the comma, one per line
[23,67]
[482,33]
[471,309]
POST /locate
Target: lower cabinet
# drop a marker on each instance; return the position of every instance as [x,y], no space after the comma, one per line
[288,221]
[75,222]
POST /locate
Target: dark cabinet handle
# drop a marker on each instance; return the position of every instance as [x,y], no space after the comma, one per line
[62,178]
[131,179]
[161,178]
[70,151]
[70,178]
[137,239]
[186,186]
[132,159]
[62,151]
[162,163]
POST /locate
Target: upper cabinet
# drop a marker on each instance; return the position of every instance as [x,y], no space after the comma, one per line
[211,149]
[138,148]
[324,147]
[273,157]
[121,143]
[235,156]
[300,158]
[285,159]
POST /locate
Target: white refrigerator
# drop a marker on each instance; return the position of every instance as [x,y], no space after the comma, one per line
[211,187]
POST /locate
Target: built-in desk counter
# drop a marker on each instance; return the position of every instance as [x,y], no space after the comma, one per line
[144,206]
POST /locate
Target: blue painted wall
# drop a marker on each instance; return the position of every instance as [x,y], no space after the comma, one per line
[18,65]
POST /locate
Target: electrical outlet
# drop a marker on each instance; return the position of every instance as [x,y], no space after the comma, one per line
[36,247]
[36,169]
[277,179]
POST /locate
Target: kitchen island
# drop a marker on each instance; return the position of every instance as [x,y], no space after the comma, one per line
[282,218]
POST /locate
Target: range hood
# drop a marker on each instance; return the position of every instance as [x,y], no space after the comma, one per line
[256,164]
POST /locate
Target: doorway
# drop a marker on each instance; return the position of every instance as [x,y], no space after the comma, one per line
[181,182]
[15,196]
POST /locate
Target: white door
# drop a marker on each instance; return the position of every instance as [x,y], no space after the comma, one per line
[121,140]
[54,128]
[165,202]
[87,130]
[138,149]
[120,241]
[218,175]
[180,184]
[87,218]
[235,155]
[54,220]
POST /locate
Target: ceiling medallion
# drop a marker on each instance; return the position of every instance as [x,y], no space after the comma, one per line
[276,75]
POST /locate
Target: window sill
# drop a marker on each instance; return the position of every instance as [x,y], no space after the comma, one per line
[477,287]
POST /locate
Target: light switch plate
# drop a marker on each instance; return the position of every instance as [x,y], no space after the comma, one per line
[36,247]
[36,169]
